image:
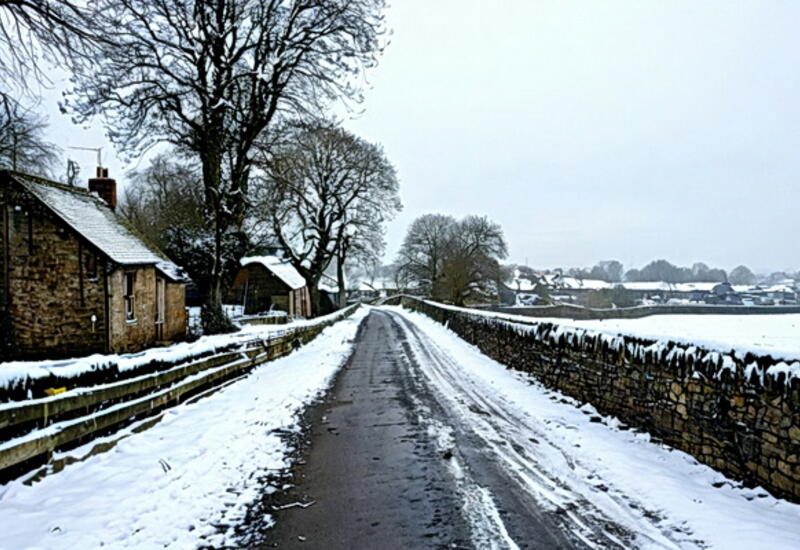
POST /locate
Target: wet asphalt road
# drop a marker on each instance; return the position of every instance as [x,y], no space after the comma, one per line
[389,466]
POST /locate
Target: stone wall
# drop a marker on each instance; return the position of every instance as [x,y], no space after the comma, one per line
[52,298]
[739,413]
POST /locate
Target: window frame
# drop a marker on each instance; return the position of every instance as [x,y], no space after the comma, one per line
[129,297]
[90,265]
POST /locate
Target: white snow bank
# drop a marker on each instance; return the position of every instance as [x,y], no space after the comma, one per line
[169,486]
[671,482]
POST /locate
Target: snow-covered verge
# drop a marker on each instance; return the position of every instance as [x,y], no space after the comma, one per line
[17,373]
[625,474]
[175,484]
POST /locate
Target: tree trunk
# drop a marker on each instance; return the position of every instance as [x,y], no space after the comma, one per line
[213,317]
[315,299]
[341,281]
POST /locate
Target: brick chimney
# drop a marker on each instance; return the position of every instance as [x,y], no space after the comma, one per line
[105,187]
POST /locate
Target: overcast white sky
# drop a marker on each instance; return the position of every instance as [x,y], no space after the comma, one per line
[592,130]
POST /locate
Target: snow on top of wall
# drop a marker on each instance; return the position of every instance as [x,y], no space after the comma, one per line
[282,269]
[754,363]
[90,217]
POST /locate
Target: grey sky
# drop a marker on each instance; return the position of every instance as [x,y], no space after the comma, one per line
[594,130]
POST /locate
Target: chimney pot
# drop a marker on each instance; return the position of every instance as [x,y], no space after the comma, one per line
[105,187]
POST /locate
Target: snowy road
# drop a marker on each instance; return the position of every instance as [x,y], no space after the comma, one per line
[423,442]
[427,443]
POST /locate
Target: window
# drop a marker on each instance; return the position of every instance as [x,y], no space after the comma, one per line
[130,297]
[90,265]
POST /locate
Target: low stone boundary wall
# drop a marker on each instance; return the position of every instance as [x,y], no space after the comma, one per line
[739,413]
[567,311]
[31,429]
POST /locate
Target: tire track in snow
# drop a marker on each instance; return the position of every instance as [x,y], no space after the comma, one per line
[589,509]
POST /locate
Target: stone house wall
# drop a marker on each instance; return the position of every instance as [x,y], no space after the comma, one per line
[52,298]
[175,314]
[56,289]
[739,413]
[128,336]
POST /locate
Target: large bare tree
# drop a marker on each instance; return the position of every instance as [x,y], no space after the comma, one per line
[164,202]
[327,195]
[424,250]
[472,264]
[453,260]
[210,76]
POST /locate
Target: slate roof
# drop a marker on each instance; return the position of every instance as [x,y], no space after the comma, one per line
[282,269]
[89,216]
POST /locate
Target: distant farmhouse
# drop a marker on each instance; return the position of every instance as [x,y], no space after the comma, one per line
[75,279]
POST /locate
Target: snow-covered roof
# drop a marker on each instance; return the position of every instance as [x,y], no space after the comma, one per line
[328,284]
[662,286]
[89,216]
[282,269]
[774,288]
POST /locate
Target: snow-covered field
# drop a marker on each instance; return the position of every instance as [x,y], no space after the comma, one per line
[664,496]
[774,334]
[199,467]
[777,335]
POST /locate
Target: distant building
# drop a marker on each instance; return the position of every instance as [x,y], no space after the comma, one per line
[75,279]
[328,294]
[266,283]
[724,293]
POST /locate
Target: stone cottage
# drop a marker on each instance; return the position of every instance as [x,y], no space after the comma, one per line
[267,283]
[75,279]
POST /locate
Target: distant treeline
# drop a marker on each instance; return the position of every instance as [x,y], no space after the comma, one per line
[612,271]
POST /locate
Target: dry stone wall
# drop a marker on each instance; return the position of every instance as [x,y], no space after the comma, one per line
[739,413]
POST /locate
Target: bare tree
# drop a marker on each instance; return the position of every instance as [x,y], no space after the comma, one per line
[22,143]
[35,30]
[741,275]
[327,196]
[454,260]
[167,193]
[424,250]
[164,202]
[210,76]
[471,267]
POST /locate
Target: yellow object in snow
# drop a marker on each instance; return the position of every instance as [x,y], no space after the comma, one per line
[54,391]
